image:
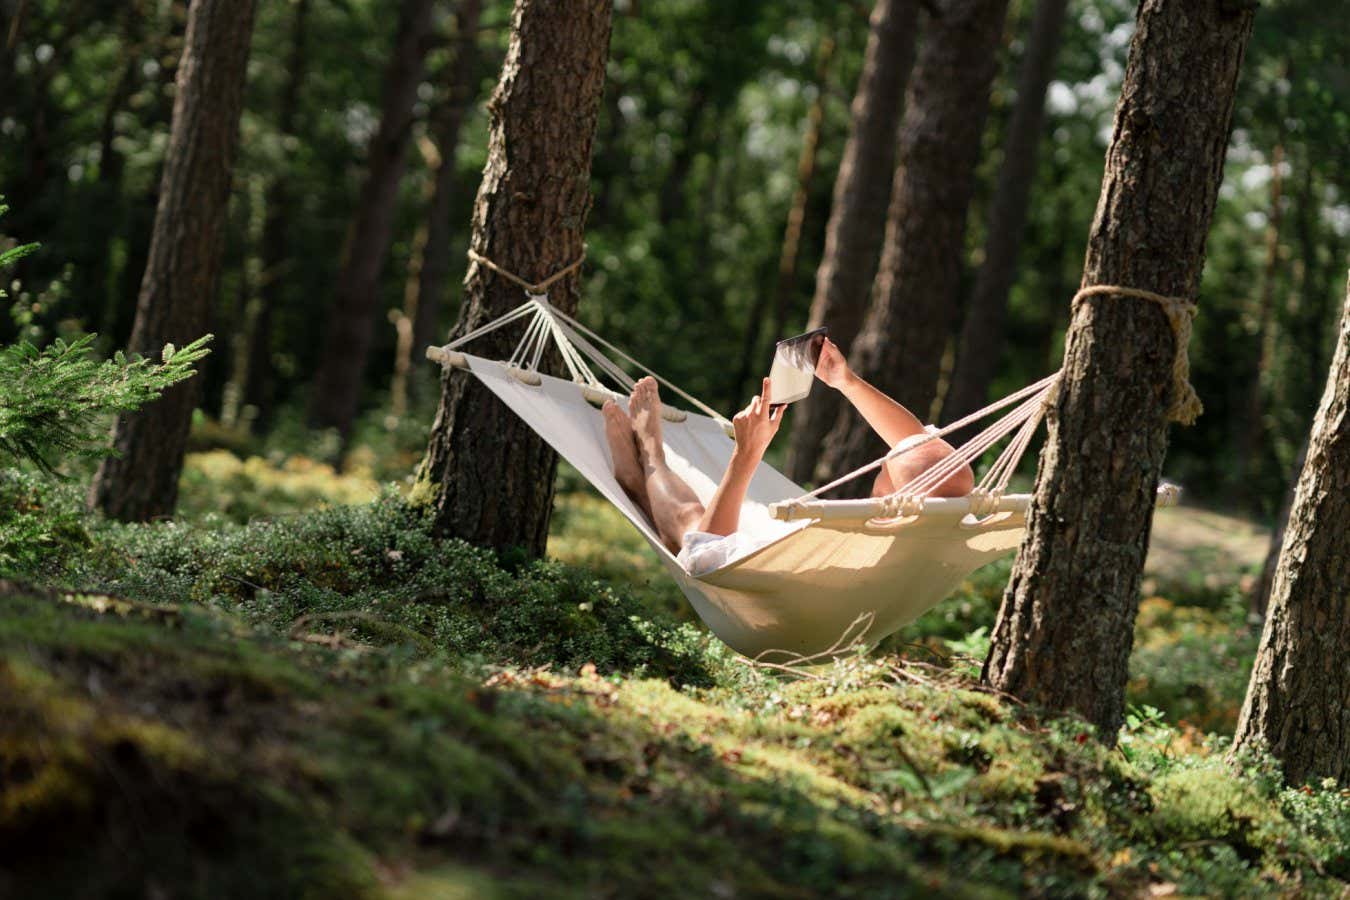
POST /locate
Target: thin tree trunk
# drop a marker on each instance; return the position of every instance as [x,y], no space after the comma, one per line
[857,213]
[982,334]
[185,251]
[900,346]
[784,286]
[92,284]
[244,343]
[137,218]
[429,271]
[1250,425]
[792,233]
[1063,635]
[259,389]
[1298,702]
[336,392]
[1259,599]
[672,199]
[486,476]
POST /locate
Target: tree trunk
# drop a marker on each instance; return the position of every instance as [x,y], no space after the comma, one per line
[259,380]
[792,235]
[487,477]
[183,272]
[1259,600]
[336,391]
[1250,425]
[982,334]
[91,276]
[900,346]
[1298,702]
[137,219]
[1063,635]
[857,213]
[429,270]
[244,343]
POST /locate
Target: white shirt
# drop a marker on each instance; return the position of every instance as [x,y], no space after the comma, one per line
[704,552]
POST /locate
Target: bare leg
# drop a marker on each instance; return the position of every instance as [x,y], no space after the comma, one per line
[623,449]
[675,508]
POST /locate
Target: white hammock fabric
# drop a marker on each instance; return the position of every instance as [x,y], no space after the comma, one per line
[858,567]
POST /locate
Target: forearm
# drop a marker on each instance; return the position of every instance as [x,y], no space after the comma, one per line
[723,513]
[887,417]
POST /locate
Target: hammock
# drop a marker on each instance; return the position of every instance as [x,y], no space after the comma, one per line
[855,568]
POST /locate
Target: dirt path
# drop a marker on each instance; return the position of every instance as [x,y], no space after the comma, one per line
[1189,544]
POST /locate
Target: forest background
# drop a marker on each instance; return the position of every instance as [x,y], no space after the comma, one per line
[298,649]
[697,161]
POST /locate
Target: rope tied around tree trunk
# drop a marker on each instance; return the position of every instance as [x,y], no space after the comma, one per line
[1186,405]
[534,289]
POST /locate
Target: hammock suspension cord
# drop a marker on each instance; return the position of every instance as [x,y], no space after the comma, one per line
[548,324]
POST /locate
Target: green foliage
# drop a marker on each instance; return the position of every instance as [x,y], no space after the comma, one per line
[54,397]
[373,575]
[1323,813]
[35,532]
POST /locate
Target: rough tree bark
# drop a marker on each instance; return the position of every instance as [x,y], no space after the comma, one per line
[857,212]
[487,477]
[336,391]
[1259,599]
[183,271]
[1064,632]
[429,270]
[900,346]
[1298,702]
[982,334]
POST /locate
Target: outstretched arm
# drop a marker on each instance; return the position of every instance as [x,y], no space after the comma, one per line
[893,423]
[755,427]
[888,418]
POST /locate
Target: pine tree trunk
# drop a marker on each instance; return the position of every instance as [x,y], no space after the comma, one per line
[487,477]
[904,336]
[1063,635]
[336,391]
[429,270]
[137,224]
[259,380]
[1259,600]
[982,334]
[857,213]
[1298,702]
[784,283]
[1250,425]
[182,275]
[91,282]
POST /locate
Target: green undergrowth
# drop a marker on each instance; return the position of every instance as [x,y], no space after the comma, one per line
[373,576]
[333,704]
[148,748]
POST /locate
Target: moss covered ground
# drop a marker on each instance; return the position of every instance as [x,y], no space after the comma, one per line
[328,703]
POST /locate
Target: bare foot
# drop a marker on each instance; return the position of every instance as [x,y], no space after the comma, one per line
[645,406]
[624,450]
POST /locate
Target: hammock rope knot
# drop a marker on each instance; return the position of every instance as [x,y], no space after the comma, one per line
[985,502]
[1180,312]
[536,290]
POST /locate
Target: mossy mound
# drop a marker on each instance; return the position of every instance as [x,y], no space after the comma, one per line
[147,747]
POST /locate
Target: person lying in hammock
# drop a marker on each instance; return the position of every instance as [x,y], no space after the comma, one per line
[706,537]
